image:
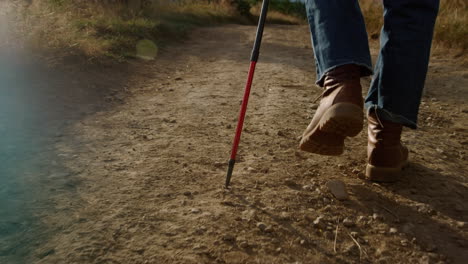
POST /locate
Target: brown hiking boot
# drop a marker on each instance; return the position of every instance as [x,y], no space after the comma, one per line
[339,115]
[386,155]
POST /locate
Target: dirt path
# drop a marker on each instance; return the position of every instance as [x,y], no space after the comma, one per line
[150,171]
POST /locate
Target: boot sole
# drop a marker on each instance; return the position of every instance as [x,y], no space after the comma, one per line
[384,174]
[317,144]
[340,121]
[343,119]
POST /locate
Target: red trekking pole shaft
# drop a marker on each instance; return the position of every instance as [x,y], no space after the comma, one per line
[248,86]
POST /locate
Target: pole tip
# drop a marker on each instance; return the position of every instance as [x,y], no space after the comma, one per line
[229,173]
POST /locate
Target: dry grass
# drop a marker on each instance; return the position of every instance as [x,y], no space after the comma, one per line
[98,30]
[103,30]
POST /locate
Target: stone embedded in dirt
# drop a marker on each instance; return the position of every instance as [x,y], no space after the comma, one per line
[376,216]
[314,106]
[425,209]
[251,170]
[393,231]
[461,224]
[220,164]
[269,229]
[262,226]
[229,238]
[249,215]
[195,211]
[338,189]
[244,245]
[348,222]
[404,242]
[284,216]
[198,247]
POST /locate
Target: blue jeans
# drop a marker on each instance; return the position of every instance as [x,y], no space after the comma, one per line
[339,37]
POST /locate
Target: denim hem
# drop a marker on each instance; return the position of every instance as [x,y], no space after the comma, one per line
[366,71]
[389,116]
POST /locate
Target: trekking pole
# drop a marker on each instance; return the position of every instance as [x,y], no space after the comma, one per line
[245,100]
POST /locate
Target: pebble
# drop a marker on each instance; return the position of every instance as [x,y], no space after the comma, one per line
[285,216]
[262,226]
[314,106]
[348,222]
[244,245]
[198,247]
[404,242]
[195,211]
[338,189]
[461,224]
[229,238]
[249,215]
[393,231]
[376,216]
[252,170]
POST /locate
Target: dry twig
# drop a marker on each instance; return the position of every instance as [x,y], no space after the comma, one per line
[361,250]
[336,235]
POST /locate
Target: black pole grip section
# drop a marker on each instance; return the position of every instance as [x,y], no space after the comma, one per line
[229,172]
[261,26]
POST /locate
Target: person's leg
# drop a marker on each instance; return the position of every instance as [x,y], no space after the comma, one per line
[339,35]
[342,56]
[395,93]
[400,72]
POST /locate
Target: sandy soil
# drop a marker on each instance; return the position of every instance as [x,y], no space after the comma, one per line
[149,170]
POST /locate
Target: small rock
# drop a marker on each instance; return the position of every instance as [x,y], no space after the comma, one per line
[228,238]
[269,229]
[279,250]
[285,216]
[198,247]
[404,242]
[348,222]
[314,106]
[354,234]
[338,189]
[187,193]
[252,170]
[460,224]
[393,231]
[195,211]
[376,216]
[262,226]
[424,260]
[244,245]
[249,215]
